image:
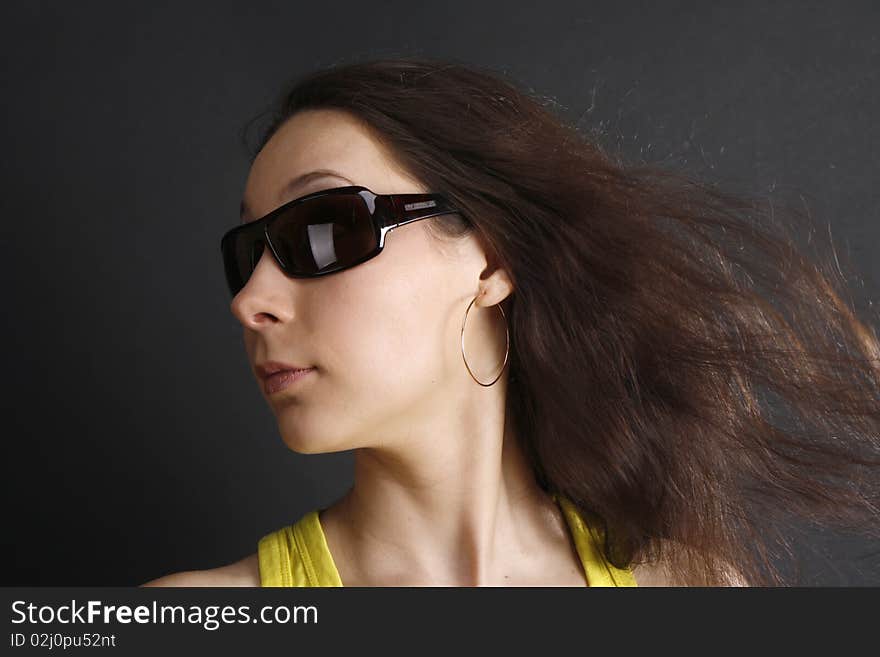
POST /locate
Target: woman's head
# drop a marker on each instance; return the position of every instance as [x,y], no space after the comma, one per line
[384,336]
[390,329]
[650,316]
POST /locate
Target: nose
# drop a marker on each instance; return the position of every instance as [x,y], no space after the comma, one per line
[266,293]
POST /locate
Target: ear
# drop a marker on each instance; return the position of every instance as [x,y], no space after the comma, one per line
[495,286]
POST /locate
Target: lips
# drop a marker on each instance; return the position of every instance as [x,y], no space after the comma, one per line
[283,379]
[268,368]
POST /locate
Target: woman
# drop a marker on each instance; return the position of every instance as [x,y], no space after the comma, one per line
[551,366]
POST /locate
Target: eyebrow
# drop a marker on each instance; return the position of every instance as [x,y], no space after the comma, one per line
[244,212]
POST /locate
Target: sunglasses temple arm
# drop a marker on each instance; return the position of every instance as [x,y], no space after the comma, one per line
[406,208]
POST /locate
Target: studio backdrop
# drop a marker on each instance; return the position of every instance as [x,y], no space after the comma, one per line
[136,440]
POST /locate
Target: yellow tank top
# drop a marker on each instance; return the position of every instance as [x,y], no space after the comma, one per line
[298,555]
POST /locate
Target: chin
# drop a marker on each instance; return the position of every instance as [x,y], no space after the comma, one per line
[302,444]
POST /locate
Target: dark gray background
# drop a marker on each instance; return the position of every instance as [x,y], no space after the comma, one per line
[136,440]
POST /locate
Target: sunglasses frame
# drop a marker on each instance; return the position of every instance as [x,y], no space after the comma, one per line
[387,212]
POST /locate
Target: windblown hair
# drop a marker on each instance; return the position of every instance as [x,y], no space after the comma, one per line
[657,324]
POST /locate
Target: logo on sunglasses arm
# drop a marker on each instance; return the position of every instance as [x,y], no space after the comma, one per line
[419,205]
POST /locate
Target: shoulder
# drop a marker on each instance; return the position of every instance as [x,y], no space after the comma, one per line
[245,572]
[658,573]
[651,574]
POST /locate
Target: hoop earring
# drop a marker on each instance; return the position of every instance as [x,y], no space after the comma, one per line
[506,351]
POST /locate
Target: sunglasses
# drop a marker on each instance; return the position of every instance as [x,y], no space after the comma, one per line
[324,232]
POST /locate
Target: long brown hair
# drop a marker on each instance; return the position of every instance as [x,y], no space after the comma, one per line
[656,325]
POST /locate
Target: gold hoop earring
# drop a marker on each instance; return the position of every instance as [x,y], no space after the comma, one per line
[506,351]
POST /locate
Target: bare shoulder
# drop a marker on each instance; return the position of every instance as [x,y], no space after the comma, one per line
[651,574]
[658,574]
[245,572]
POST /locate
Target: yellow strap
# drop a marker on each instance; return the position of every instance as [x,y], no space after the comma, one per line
[274,558]
[588,542]
[297,555]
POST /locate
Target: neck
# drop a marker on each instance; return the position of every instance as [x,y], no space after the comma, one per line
[460,513]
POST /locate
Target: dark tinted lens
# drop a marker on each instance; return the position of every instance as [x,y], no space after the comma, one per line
[240,255]
[324,234]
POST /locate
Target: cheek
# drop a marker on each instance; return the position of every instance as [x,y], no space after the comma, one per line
[388,339]
[385,344]
[366,363]
[386,329]
[385,336]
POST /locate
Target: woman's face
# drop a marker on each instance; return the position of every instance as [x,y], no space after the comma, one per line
[384,336]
